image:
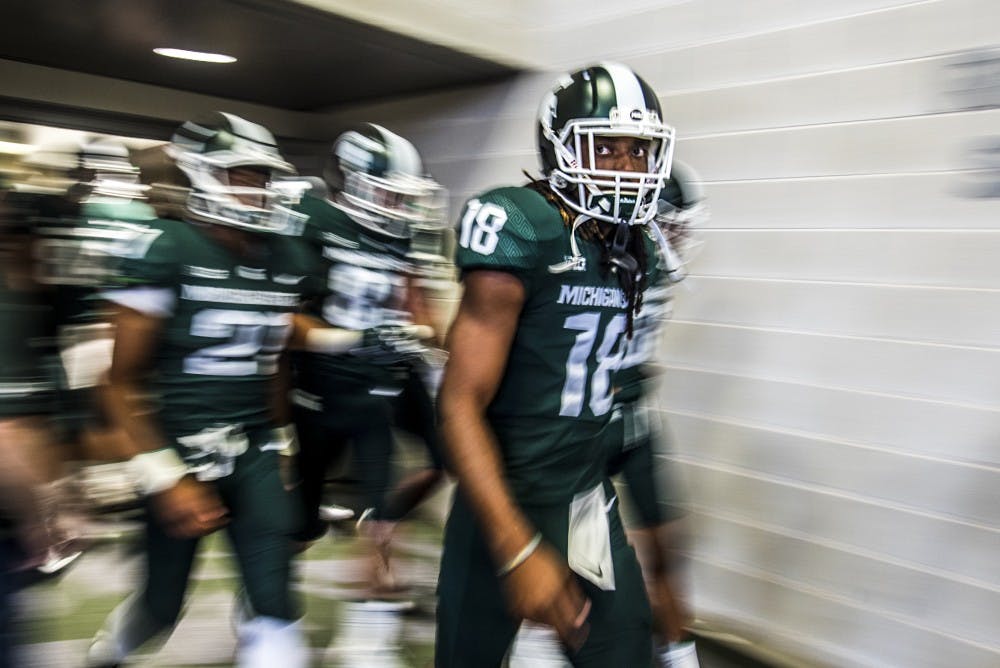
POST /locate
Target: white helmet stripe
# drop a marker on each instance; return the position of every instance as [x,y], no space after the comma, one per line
[252,131]
[627,89]
[403,156]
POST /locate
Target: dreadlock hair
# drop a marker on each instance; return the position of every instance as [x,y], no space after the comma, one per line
[633,283]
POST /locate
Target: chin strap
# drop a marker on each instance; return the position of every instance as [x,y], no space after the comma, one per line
[618,254]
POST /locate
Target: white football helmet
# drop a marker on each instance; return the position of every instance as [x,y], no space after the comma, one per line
[92,167]
[378,178]
[207,149]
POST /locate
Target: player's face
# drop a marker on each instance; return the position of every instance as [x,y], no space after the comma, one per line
[249,177]
[620,154]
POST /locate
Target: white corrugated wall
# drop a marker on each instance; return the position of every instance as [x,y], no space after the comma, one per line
[833,373]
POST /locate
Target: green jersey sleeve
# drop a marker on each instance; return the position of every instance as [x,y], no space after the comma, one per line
[506,229]
[149,259]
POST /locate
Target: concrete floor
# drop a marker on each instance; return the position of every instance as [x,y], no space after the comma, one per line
[61,615]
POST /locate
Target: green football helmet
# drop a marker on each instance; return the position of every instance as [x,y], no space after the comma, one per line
[378,178]
[206,149]
[607,99]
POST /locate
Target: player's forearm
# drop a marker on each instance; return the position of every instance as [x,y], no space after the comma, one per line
[313,335]
[475,461]
[154,465]
[18,478]
[479,344]
[280,387]
[421,313]
[129,414]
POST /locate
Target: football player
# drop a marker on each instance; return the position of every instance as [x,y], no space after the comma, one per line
[377,194]
[27,445]
[75,201]
[80,229]
[202,307]
[554,276]
[633,439]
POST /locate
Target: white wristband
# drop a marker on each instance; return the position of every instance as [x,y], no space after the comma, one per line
[332,340]
[157,471]
[521,556]
[420,332]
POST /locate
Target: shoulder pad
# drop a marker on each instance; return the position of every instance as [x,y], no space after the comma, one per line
[153,255]
[505,228]
[326,224]
[124,210]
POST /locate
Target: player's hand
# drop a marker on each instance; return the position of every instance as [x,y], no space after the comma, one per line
[286,440]
[189,509]
[543,590]
[392,343]
[288,470]
[35,542]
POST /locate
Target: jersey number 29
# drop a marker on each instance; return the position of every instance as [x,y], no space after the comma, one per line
[253,341]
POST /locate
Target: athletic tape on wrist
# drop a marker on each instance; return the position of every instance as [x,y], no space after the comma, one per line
[331,340]
[157,471]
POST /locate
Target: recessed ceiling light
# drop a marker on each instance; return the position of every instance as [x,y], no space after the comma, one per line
[195,55]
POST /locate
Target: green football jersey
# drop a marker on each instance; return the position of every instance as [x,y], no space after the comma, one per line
[557,390]
[366,275]
[226,319]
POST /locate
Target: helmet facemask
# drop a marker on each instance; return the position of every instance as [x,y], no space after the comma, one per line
[393,203]
[215,199]
[611,196]
[231,165]
[377,178]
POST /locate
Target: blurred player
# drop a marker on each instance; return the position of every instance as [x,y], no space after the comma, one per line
[81,231]
[554,276]
[634,440]
[27,446]
[78,202]
[203,308]
[377,194]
